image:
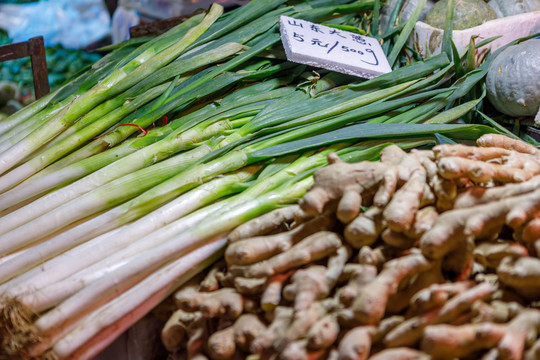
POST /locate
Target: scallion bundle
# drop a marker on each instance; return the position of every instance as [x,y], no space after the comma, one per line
[124,183]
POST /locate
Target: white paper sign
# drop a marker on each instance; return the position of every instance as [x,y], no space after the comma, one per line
[332,49]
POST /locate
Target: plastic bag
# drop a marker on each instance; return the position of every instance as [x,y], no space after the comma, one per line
[73,24]
[123,19]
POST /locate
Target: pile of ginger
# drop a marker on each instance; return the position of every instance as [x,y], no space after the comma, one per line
[431,254]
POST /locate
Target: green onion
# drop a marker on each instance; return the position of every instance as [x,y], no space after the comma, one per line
[105,209]
[119,80]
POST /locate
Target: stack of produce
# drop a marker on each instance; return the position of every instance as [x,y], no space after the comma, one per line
[123,184]
[431,254]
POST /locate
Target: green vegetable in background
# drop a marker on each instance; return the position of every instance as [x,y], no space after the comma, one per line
[137,151]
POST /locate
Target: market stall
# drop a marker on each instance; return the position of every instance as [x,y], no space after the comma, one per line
[282,180]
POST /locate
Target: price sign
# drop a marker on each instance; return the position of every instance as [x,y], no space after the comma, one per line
[332,49]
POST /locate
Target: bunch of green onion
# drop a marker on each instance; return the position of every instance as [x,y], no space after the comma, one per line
[123,184]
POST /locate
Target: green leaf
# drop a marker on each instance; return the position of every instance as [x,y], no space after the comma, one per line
[406,32]
[359,132]
[348,28]
[454,113]
[530,140]
[486,41]
[393,17]
[233,20]
[458,68]
[501,129]
[448,27]
[441,139]
[470,61]
[410,72]
[375,18]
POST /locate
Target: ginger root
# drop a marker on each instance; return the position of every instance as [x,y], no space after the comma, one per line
[356,343]
[221,344]
[521,274]
[265,224]
[478,222]
[323,333]
[363,275]
[534,351]
[311,248]
[283,317]
[316,281]
[252,250]
[303,321]
[226,302]
[400,211]
[482,172]
[504,142]
[469,152]
[370,306]
[271,296]
[246,329]
[211,280]
[490,254]
[365,229]
[522,330]
[436,295]
[341,182]
[174,331]
[298,350]
[449,342]
[401,353]
[411,330]
[434,256]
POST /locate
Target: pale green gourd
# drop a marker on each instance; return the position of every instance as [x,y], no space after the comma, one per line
[513,79]
[513,7]
[467,14]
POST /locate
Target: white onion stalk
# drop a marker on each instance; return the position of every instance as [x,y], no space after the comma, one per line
[119,80]
[174,143]
[107,120]
[125,310]
[51,293]
[116,217]
[29,281]
[107,114]
[47,296]
[28,233]
[48,179]
[115,245]
[112,193]
[64,316]
[6,258]
[47,106]
[16,134]
[64,171]
[177,68]
[55,269]
[50,222]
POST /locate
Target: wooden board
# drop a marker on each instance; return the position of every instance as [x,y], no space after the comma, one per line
[35,49]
